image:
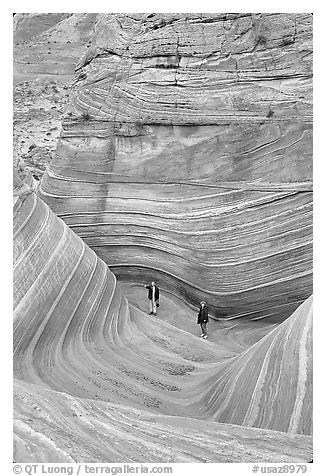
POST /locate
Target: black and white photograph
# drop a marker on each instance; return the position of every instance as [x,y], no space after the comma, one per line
[163,240]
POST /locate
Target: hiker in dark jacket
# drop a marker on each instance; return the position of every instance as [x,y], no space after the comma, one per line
[203,318]
[154,297]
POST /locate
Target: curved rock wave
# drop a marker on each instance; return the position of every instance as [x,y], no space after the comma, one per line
[255,387]
[230,247]
[75,333]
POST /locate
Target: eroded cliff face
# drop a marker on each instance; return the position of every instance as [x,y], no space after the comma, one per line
[186,156]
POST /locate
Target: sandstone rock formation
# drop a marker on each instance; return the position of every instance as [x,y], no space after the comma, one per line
[87,364]
[285,355]
[185,155]
[57,427]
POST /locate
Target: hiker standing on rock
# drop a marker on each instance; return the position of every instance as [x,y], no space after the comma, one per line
[154,297]
[203,318]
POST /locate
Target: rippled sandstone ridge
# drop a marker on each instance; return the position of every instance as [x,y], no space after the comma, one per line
[186,155]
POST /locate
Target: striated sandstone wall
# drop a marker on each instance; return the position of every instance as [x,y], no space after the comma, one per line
[186,156]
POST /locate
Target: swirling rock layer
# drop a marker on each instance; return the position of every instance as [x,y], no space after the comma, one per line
[87,363]
[186,156]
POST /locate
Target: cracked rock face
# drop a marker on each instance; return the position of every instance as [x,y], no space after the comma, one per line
[186,155]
